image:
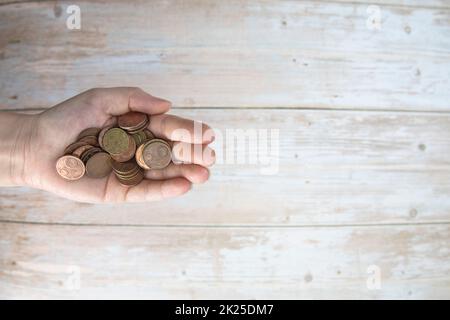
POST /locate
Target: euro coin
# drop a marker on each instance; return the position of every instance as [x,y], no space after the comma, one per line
[116,141]
[157,154]
[99,165]
[70,168]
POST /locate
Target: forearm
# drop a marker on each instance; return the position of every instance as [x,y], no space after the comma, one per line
[15,133]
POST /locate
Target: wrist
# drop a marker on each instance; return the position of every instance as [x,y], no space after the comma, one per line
[16,132]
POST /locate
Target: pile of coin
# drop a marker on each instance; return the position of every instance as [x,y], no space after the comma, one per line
[128,173]
[126,149]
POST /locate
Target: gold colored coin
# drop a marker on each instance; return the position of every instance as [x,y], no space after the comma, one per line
[116,141]
[102,134]
[127,154]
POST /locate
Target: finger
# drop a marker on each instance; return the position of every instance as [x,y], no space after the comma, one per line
[121,100]
[179,129]
[153,190]
[192,172]
[183,152]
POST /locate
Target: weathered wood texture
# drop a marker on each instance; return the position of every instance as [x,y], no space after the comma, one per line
[436,4]
[41,261]
[355,188]
[334,168]
[230,53]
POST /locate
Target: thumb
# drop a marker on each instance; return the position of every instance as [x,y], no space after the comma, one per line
[121,100]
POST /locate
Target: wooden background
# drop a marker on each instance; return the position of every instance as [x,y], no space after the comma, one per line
[364,179]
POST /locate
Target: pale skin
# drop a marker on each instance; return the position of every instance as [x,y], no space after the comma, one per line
[31,144]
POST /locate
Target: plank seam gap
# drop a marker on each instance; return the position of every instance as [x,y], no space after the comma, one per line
[273,108]
[197,226]
[392,5]
[354,3]
[314,109]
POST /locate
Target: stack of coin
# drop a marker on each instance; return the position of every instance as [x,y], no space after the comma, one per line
[128,173]
[133,122]
[125,150]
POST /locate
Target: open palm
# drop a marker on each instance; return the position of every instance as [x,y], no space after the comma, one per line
[59,126]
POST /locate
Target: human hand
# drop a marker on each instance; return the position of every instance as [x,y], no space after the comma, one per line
[43,138]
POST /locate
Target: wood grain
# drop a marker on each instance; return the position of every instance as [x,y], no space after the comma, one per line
[297,54]
[437,4]
[38,261]
[401,3]
[334,168]
[365,184]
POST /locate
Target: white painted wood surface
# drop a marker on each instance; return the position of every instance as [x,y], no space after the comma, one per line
[360,187]
[334,168]
[230,53]
[203,263]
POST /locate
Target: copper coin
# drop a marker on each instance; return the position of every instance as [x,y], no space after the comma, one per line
[72,147]
[149,134]
[89,132]
[139,137]
[79,151]
[99,165]
[129,176]
[127,154]
[122,157]
[124,167]
[157,154]
[102,134]
[134,181]
[89,153]
[92,140]
[139,157]
[70,168]
[138,129]
[132,120]
[116,141]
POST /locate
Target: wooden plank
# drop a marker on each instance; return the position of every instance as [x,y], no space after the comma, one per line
[38,261]
[335,168]
[437,4]
[230,53]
